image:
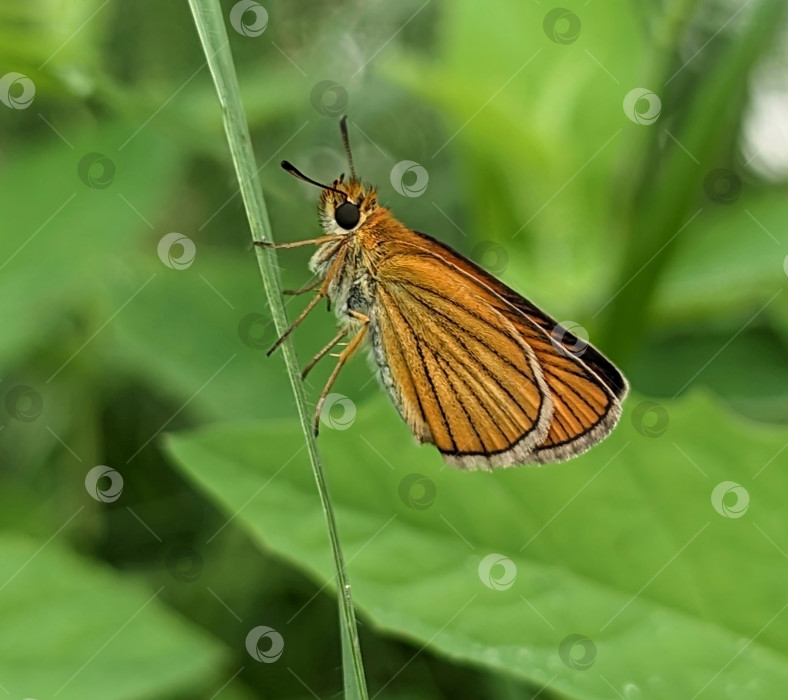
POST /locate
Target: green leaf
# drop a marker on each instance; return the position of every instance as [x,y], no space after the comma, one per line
[622,545]
[760,392]
[214,306]
[733,260]
[74,629]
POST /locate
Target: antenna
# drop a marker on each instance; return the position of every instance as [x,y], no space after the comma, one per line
[287,165]
[346,141]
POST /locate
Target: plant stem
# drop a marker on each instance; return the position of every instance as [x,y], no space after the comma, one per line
[213,35]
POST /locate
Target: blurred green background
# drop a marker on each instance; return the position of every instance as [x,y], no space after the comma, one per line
[622,164]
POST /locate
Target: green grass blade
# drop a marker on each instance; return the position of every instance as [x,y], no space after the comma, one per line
[213,36]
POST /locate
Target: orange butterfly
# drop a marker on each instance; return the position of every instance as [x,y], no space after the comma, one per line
[472,367]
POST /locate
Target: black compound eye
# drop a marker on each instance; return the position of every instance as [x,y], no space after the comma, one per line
[347,215]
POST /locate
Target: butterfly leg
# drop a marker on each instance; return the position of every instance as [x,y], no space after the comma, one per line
[323,292]
[297,244]
[308,287]
[311,305]
[323,352]
[344,356]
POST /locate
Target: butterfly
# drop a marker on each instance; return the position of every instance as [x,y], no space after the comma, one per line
[472,367]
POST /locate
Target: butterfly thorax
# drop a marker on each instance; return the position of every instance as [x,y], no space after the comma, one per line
[349,264]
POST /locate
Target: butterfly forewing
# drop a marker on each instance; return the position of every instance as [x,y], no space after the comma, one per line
[477,369]
[432,335]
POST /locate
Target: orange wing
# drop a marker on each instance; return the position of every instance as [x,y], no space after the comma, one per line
[478,370]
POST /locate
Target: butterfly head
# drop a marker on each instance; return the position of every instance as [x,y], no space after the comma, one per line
[344,204]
